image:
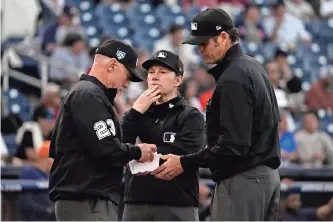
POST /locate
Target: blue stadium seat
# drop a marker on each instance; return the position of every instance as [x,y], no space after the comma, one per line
[146,39]
[145,23]
[140,10]
[251,48]
[86,5]
[17,103]
[192,12]
[169,15]
[10,141]
[78,3]
[321,29]
[329,128]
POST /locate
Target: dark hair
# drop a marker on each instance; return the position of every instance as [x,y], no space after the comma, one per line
[71,38]
[175,27]
[278,3]
[250,5]
[294,85]
[280,52]
[313,112]
[233,34]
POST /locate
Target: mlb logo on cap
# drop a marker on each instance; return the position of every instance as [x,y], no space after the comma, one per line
[120,54]
[194,26]
[162,55]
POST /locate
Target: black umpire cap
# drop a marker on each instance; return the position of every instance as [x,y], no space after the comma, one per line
[124,54]
[207,24]
[167,59]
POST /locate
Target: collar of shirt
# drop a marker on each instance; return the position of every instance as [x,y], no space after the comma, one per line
[233,52]
[109,92]
[167,107]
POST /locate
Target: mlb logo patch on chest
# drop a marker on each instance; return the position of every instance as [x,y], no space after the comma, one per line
[169,137]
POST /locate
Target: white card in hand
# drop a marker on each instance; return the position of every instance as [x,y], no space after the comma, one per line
[137,167]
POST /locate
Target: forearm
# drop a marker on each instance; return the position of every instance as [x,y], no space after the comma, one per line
[212,156]
[130,125]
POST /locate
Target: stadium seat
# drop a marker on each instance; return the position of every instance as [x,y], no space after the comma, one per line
[17,103]
[147,39]
[140,10]
[10,141]
[169,15]
[145,23]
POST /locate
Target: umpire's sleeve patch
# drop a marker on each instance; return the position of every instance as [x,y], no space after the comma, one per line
[104,128]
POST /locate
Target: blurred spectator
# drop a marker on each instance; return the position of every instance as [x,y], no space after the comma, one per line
[274,74]
[283,27]
[51,100]
[326,8]
[70,60]
[296,95]
[287,141]
[32,134]
[37,206]
[275,77]
[281,58]
[189,90]
[55,34]
[320,95]
[301,9]
[314,147]
[173,42]
[291,208]
[250,28]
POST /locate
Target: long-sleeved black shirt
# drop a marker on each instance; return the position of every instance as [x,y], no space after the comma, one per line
[87,147]
[242,119]
[175,128]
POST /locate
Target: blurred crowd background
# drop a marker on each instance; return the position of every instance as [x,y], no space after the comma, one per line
[47,44]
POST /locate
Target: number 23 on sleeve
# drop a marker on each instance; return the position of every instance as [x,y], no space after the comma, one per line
[102,130]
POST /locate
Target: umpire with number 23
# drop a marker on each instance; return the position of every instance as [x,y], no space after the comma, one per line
[86,144]
[242,118]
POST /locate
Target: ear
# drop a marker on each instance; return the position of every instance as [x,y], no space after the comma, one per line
[179,80]
[111,64]
[223,40]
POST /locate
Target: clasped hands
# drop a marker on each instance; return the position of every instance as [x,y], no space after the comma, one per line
[168,170]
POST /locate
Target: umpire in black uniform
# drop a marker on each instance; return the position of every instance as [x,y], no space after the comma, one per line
[174,127]
[86,144]
[242,119]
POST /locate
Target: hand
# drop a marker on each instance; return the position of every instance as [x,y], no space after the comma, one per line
[170,169]
[147,98]
[147,152]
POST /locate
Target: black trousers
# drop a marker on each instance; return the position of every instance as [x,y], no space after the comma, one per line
[86,210]
[253,195]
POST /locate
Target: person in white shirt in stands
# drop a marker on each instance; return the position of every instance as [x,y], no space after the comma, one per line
[314,147]
[284,27]
[173,42]
[301,9]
